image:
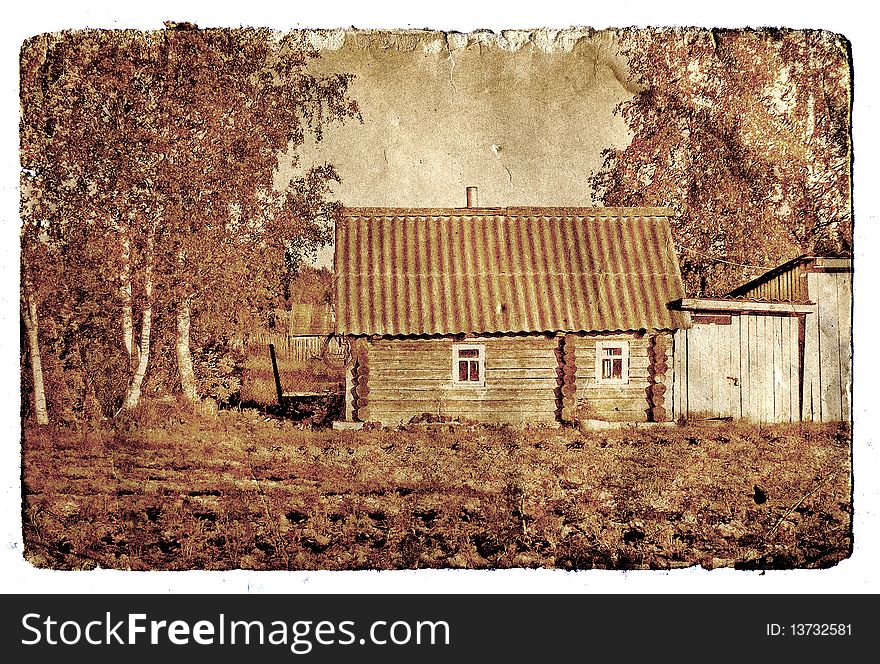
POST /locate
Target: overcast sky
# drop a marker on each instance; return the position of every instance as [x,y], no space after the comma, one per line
[522,117]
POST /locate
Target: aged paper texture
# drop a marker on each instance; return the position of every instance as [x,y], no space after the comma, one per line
[346,300]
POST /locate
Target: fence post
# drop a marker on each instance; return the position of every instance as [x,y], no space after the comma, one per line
[278,389]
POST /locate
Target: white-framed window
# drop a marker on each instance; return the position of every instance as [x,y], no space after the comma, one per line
[469,365]
[612,361]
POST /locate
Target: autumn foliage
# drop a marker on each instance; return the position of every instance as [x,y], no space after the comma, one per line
[154,227]
[746,134]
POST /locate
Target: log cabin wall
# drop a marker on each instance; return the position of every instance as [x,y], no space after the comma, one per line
[621,402]
[660,377]
[409,377]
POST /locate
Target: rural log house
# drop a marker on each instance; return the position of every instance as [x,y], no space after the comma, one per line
[514,315]
[547,315]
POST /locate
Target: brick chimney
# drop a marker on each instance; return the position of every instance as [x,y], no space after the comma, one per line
[472,201]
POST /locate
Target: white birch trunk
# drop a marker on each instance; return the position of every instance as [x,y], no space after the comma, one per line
[184,356]
[134,390]
[125,290]
[32,325]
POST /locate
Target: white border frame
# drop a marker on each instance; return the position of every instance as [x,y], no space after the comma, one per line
[858,574]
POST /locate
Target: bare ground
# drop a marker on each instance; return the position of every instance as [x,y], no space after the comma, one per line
[241,490]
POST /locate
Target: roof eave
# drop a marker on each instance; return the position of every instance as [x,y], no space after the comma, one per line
[814,263]
[548,333]
[742,306]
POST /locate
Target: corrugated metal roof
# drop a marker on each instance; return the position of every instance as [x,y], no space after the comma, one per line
[787,282]
[307,320]
[412,271]
[784,283]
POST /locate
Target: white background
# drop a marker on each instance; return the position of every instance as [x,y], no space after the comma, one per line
[856,575]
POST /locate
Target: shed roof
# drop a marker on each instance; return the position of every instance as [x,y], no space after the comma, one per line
[417,271]
[739,306]
[786,282]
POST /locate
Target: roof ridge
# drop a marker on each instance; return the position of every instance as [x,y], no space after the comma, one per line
[512,211]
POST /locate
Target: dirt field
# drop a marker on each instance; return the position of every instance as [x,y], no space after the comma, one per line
[238,491]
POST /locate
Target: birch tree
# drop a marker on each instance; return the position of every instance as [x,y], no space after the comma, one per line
[88,138]
[164,145]
[31,319]
[232,101]
[746,134]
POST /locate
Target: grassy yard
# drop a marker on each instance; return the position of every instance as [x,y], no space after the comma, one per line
[238,491]
[258,379]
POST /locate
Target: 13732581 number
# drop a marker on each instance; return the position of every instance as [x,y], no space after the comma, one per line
[809,629]
[820,629]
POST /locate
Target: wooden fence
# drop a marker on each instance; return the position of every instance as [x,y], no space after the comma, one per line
[296,349]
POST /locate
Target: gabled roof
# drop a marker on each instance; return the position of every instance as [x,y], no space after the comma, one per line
[416,271]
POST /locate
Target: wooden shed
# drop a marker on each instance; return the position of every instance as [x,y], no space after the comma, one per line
[516,315]
[825,284]
[777,349]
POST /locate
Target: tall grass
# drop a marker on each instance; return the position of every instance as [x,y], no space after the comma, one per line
[297,375]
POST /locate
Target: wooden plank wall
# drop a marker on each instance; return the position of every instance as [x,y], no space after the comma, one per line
[414,376]
[710,378]
[828,348]
[747,369]
[844,343]
[613,403]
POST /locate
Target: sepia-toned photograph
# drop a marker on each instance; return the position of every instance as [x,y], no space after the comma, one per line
[564,299]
